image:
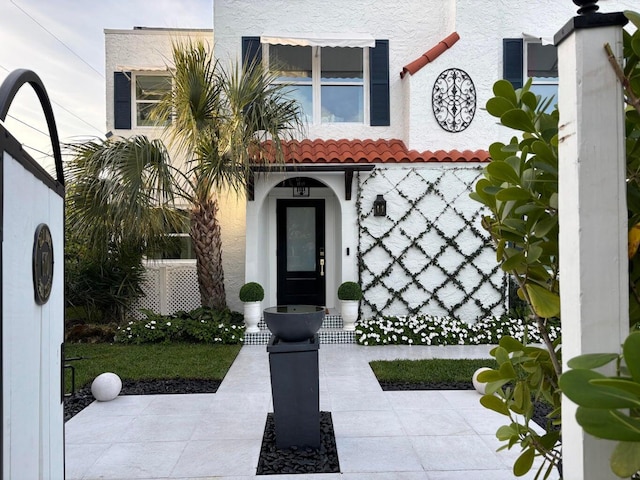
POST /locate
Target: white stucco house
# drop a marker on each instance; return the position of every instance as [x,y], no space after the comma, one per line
[396,136]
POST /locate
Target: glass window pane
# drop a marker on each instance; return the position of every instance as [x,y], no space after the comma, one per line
[176,247]
[342,64]
[301,239]
[342,103]
[546,91]
[289,63]
[304,95]
[143,114]
[542,61]
[152,87]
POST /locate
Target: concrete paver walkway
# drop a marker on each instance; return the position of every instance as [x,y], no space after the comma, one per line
[406,435]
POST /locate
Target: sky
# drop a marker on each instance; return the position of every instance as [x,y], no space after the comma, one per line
[62,41]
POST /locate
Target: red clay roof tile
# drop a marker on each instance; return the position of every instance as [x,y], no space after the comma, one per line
[370,151]
[430,55]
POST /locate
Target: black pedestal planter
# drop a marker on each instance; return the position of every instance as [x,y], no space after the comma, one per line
[295,391]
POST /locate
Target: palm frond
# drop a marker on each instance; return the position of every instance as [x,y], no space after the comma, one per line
[122,190]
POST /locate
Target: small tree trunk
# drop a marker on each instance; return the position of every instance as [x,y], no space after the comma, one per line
[207,244]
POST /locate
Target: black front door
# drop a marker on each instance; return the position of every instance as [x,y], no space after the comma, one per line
[301,252]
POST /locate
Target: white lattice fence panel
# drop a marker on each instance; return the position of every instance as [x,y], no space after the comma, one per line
[168,289]
[150,298]
[429,255]
[182,288]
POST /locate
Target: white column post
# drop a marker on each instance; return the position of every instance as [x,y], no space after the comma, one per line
[593,216]
[163,274]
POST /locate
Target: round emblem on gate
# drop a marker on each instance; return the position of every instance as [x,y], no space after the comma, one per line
[42,264]
[454,100]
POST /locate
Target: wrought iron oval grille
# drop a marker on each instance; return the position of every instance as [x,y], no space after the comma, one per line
[454,100]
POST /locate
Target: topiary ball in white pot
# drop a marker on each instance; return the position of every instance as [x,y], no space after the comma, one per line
[349,294]
[252,294]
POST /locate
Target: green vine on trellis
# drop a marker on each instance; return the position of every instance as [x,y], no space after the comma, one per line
[380,242]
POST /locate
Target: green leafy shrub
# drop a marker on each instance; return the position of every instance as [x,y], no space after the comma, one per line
[202,325]
[525,376]
[349,291]
[609,407]
[520,191]
[251,292]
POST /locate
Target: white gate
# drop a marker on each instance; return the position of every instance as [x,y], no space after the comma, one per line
[32,301]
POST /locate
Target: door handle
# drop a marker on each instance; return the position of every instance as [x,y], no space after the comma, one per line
[322,267]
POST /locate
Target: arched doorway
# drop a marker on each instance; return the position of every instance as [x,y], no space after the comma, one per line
[300,238]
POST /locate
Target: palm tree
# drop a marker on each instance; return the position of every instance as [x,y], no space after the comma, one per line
[219,120]
[119,204]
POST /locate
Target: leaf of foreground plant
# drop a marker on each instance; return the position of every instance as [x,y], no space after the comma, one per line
[495,404]
[591,360]
[625,460]
[524,462]
[575,385]
[619,383]
[608,424]
[510,344]
[633,16]
[518,120]
[631,351]
[546,304]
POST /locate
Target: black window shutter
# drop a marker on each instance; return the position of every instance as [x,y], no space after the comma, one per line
[122,100]
[512,58]
[379,112]
[251,50]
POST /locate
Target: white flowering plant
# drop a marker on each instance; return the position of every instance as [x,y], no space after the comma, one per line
[202,325]
[432,330]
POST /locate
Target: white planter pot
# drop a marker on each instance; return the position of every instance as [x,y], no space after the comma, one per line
[252,315]
[349,313]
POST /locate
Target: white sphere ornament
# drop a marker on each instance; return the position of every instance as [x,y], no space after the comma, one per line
[106,387]
[479,386]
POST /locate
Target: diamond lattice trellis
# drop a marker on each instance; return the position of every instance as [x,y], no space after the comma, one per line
[429,255]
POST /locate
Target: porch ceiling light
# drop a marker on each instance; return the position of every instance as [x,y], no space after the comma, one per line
[380,207]
[300,189]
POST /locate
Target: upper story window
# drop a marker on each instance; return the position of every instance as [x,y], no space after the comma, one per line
[542,67]
[329,82]
[149,89]
[531,59]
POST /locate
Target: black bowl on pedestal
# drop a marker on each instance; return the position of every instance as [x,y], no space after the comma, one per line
[294,323]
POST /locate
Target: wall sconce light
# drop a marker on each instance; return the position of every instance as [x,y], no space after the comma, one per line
[379,207]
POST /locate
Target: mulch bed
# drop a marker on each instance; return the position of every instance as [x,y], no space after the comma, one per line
[83,397]
[394,386]
[274,461]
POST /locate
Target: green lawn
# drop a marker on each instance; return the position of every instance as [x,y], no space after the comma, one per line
[137,362]
[427,371]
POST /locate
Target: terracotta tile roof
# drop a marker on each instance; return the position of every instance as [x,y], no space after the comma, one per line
[370,151]
[430,55]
